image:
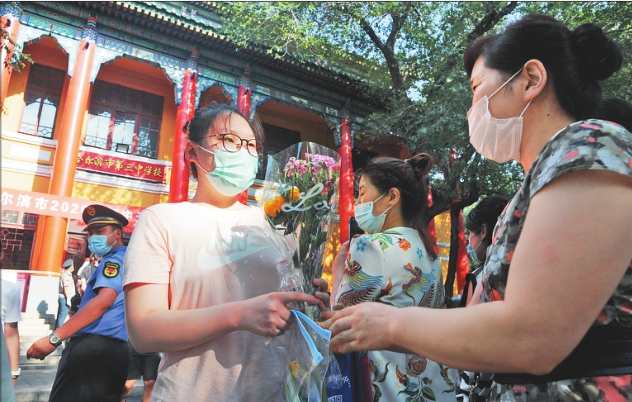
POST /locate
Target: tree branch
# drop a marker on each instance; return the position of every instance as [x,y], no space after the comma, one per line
[387,49]
[489,21]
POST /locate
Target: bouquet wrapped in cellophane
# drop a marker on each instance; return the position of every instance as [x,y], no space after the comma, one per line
[300,184]
[297,203]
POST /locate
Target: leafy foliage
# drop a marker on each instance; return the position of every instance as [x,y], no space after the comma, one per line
[15,58]
[411,55]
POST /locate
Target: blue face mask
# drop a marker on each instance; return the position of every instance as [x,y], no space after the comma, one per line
[472,252]
[234,171]
[365,218]
[98,244]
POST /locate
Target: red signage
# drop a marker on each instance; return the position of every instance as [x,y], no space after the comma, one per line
[121,166]
[65,207]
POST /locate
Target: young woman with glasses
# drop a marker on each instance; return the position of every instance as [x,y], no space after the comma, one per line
[200,277]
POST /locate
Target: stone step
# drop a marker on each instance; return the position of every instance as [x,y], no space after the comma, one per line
[24,348]
[50,361]
[35,316]
[30,338]
[35,323]
[35,332]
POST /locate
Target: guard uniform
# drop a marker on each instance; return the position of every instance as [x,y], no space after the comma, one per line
[94,364]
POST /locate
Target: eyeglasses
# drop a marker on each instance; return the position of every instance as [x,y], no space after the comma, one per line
[233,143]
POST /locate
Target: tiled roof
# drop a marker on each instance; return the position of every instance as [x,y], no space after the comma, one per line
[199,22]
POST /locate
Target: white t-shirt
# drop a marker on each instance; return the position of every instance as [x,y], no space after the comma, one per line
[210,256]
[10,303]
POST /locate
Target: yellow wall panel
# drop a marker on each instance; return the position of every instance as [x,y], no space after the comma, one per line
[113,195]
[24,181]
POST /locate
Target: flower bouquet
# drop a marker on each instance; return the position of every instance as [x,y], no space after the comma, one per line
[297,204]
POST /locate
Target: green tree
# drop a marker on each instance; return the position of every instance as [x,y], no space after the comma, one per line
[409,57]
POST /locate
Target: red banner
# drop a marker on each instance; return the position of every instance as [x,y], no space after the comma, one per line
[65,207]
[121,166]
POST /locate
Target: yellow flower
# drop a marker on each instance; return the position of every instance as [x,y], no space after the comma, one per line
[273,207]
[293,194]
[295,368]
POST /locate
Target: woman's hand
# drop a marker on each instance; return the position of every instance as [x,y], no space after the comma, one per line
[322,294]
[268,315]
[361,327]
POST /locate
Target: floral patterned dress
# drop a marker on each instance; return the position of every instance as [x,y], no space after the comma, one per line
[393,267]
[587,145]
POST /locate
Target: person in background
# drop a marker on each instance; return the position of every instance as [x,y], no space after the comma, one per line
[85,272]
[11,315]
[480,223]
[66,291]
[94,363]
[557,282]
[141,365]
[201,283]
[394,264]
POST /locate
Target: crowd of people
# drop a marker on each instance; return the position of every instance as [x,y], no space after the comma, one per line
[546,312]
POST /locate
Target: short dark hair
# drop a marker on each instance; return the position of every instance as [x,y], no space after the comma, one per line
[486,212]
[205,117]
[410,177]
[574,60]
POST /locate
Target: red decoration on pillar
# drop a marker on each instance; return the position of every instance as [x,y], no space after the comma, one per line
[244,95]
[179,184]
[431,225]
[243,101]
[345,203]
[65,162]
[10,22]
[462,263]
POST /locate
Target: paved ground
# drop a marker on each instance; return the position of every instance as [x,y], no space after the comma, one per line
[34,386]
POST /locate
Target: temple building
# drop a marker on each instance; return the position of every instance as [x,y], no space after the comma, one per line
[98,115]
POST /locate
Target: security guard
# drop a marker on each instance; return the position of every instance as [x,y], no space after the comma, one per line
[94,364]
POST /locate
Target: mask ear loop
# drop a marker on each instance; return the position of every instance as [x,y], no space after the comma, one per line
[506,82]
[205,150]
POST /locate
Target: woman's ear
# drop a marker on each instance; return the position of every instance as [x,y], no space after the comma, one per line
[484,231]
[537,79]
[190,152]
[394,196]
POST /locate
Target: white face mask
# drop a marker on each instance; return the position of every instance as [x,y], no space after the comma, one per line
[495,139]
[365,218]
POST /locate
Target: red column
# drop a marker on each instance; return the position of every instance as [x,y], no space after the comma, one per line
[243,101]
[62,177]
[179,184]
[346,179]
[10,22]
[431,225]
[463,263]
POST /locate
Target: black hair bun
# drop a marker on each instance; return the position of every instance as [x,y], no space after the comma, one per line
[421,163]
[598,56]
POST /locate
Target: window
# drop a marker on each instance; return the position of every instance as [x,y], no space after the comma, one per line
[9,216]
[43,91]
[277,139]
[124,120]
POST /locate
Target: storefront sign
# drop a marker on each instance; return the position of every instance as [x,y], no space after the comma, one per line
[55,205]
[120,166]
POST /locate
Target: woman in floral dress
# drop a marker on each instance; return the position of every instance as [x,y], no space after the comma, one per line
[557,282]
[395,264]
